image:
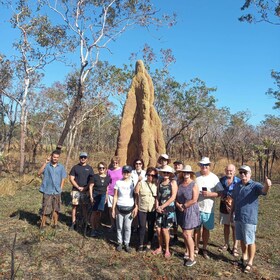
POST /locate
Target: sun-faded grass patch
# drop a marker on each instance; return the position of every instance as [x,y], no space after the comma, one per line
[68,255]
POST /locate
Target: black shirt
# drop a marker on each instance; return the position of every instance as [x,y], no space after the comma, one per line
[100,183]
[82,174]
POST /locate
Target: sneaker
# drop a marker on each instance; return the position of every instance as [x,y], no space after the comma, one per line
[73,226]
[93,233]
[141,249]
[205,254]
[128,249]
[189,262]
[119,248]
[149,246]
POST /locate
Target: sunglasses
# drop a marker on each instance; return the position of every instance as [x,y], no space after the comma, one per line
[204,165]
[138,163]
[152,175]
[83,157]
[166,173]
[101,167]
[243,172]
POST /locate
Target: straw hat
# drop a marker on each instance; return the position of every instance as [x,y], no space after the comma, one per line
[166,168]
[164,156]
[187,168]
[205,160]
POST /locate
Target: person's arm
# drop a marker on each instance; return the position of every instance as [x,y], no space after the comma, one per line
[136,192]
[174,189]
[62,183]
[91,185]
[74,183]
[115,199]
[219,190]
[194,199]
[42,168]
[267,185]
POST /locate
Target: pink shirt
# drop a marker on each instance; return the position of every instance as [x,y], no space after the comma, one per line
[115,175]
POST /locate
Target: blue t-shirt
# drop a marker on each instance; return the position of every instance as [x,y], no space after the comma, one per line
[52,178]
[246,202]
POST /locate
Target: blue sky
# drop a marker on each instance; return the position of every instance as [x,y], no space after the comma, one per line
[210,43]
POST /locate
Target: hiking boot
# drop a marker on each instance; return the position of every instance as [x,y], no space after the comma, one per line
[189,262]
[119,248]
[128,249]
[73,226]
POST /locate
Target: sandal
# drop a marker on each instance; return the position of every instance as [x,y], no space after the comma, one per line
[196,250]
[223,248]
[241,262]
[235,252]
[157,251]
[167,255]
[248,268]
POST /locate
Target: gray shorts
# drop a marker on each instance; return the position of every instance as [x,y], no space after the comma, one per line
[245,232]
[51,202]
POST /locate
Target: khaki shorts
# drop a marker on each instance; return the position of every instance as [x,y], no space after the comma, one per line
[51,202]
[225,219]
[79,198]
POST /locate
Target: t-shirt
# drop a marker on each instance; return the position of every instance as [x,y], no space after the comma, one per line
[82,174]
[212,183]
[246,202]
[115,175]
[125,192]
[100,183]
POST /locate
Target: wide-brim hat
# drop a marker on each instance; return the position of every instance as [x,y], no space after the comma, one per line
[205,160]
[166,168]
[187,168]
[245,167]
[164,156]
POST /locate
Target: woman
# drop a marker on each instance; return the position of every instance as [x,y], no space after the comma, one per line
[97,191]
[138,173]
[124,208]
[115,174]
[189,217]
[165,208]
[146,192]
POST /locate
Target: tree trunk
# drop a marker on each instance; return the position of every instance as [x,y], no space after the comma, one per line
[23,120]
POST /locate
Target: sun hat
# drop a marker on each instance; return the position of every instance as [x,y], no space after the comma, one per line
[178,162]
[126,168]
[83,154]
[205,160]
[166,168]
[245,167]
[187,168]
[164,156]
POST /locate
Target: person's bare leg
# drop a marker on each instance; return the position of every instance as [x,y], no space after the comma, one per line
[111,218]
[226,235]
[55,218]
[205,237]
[74,212]
[166,238]
[189,242]
[251,253]
[197,235]
[244,249]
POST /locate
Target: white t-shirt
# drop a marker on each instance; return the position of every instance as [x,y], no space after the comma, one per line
[125,192]
[212,183]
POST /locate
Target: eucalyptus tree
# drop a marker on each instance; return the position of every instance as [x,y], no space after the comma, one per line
[275,92]
[93,25]
[38,43]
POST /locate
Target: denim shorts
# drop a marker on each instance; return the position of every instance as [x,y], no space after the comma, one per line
[207,220]
[245,232]
[99,203]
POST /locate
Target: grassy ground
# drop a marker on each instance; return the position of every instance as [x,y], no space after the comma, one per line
[68,255]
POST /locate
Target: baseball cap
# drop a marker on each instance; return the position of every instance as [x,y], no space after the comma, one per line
[83,154]
[127,168]
[245,167]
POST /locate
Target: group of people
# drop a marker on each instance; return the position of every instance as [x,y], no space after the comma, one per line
[159,199]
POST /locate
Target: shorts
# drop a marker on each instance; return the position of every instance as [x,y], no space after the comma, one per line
[225,219]
[245,232]
[51,202]
[99,202]
[207,220]
[110,200]
[79,198]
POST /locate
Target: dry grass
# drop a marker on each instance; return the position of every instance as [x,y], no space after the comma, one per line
[68,255]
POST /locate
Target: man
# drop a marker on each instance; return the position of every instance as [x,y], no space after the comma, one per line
[228,182]
[53,181]
[209,188]
[245,206]
[163,160]
[79,177]
[178,166]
